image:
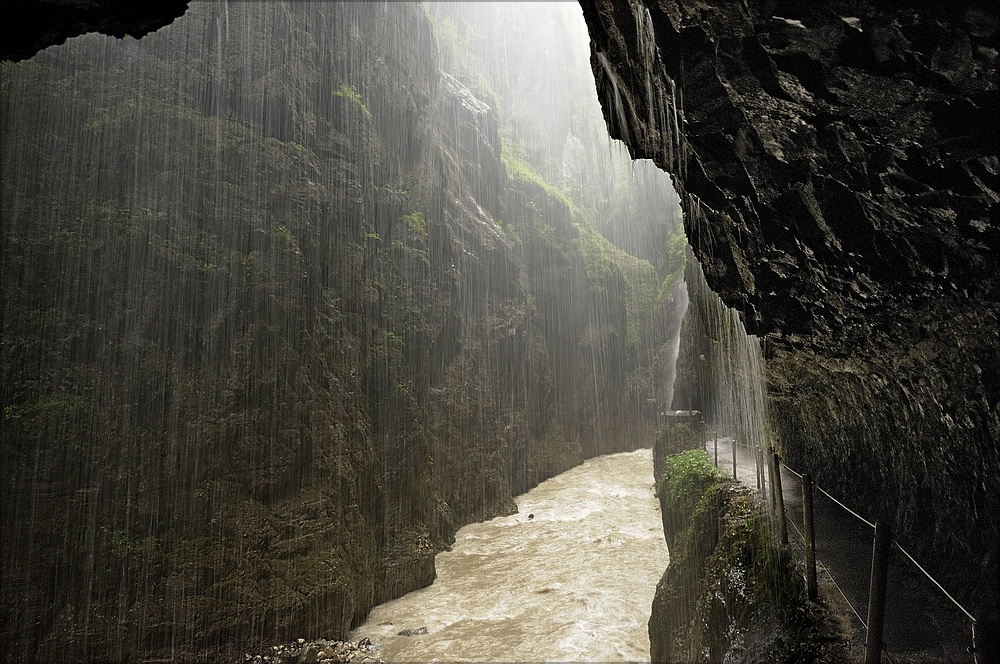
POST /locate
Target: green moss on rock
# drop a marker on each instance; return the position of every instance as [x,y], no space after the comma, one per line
[731,592]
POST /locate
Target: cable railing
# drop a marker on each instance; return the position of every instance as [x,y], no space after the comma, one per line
[833,580]
[766,471]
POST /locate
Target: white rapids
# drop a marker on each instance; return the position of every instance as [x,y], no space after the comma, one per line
[573,583]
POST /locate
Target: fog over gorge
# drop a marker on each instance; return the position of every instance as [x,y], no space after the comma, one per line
[306,303]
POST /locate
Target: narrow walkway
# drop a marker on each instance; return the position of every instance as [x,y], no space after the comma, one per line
[921,624]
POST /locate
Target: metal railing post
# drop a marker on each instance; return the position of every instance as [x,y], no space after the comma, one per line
[779,499]
[733,447]
[758,455]
[876,592]
[769,466]
[808,536]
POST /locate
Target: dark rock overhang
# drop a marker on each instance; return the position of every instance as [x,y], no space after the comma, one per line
[839,160]
[31,25]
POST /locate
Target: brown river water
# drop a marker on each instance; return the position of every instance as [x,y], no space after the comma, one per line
[574,582]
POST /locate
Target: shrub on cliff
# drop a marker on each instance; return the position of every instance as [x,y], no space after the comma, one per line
[693,495]
[751,597]
[682,486]
[731,593]
[679,437]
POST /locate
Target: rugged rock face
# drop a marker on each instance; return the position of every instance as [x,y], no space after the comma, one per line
[839,167]
[731,591]
[277,320]
[839,159]
[31,25]
[838,162]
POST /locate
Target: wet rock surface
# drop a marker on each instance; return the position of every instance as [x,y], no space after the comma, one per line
[259,365]
[412,632]
[839,161]
[839,167]
[731,590]
[318,651]
[37,24]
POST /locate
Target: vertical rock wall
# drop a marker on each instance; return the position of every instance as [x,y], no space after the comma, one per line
[276,322]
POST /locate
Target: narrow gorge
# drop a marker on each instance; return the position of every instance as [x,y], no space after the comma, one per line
[294,291]
[279,319]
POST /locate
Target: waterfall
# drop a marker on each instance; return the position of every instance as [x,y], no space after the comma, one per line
[722,366]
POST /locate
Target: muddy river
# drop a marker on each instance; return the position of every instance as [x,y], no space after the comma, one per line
[570,577]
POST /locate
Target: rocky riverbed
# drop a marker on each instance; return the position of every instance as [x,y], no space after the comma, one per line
[316,651]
